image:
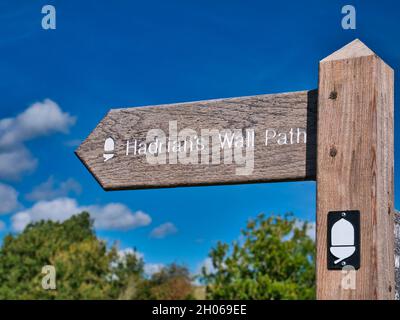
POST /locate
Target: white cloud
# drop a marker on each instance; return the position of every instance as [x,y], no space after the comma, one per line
[152,268]
[116,216]
[311,230]
[2,226]
[8,198]
[124,252]
[14,162]
[56,210]
[50,189]
[73,143]
[163,230]
[40,119]
[207,264]
[20,221]
[113,216]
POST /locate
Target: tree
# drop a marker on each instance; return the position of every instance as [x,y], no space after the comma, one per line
[274,260]
[85,268]
[172,282]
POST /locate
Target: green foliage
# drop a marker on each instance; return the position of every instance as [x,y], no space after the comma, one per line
[85,269]
[127,273]
[275,260]
[172,282]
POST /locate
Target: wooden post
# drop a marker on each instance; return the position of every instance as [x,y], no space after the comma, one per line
[355,167]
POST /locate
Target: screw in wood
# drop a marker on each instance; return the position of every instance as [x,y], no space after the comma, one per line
[333,152]
[333,95]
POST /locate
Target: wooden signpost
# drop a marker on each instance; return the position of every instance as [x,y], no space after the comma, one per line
[278,133]
[340,135]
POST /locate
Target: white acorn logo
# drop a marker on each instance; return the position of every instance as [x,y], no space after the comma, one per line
[108,149]
[342,240]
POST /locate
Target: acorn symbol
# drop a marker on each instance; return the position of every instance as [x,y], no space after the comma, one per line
[342,240]
[108,149]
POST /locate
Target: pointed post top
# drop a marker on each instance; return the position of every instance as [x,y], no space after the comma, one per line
[354,49]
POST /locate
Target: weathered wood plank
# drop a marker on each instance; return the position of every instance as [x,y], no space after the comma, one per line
[397,253]
[355,167]
[273,162]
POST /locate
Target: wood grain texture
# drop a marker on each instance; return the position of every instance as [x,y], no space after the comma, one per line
[272,163]
[355,167]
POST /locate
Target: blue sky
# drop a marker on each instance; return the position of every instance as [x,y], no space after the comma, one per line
[107,54]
